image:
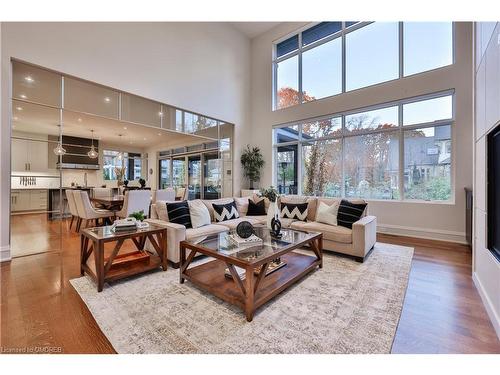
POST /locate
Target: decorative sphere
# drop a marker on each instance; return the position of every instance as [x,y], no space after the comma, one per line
[244,229]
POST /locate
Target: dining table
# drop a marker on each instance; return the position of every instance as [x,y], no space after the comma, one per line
[114,203]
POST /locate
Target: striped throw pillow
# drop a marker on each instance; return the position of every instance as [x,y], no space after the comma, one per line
[349,213]
[178,213]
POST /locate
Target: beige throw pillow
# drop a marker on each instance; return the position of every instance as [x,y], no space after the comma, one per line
[199,213]
[327,214]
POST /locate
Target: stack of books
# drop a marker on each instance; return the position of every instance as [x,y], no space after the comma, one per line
[124,225]
[238,241]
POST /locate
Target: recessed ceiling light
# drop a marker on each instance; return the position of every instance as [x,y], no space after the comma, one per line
[79,119]
[15,118]
[22,96]
[107,100]
[124,128]
[29,79]
[159,134]
[145,139]
[19,108]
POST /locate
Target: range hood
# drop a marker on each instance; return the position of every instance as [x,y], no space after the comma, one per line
[76,154]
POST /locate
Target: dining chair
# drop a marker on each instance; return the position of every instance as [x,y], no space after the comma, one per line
[167,194]
[87,212]
[102,192]
[180,193]
[134,201]
[72,207]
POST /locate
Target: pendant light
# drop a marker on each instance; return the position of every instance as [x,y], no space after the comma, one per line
[92,153]
[59,149]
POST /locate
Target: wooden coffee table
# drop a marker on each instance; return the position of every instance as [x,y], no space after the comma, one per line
[254,287]
[118,266]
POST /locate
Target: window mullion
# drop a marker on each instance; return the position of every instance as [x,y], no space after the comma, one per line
[401,153]
[300,69]
[401,63]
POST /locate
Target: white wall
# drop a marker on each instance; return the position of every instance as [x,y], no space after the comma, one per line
[439,221]
[486,269]
[203,67]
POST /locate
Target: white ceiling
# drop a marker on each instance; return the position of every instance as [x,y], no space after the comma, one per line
[253,29]
[37,119]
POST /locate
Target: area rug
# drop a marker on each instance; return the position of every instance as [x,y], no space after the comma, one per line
[346,307]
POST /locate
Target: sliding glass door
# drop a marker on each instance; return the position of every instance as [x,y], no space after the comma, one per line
[194,176]
[212,176]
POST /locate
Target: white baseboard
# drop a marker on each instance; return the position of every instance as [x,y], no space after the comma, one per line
[495,319]
[5,253]
[426,233]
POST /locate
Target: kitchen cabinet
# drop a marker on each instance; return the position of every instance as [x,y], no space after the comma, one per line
[29,155]
[28,200]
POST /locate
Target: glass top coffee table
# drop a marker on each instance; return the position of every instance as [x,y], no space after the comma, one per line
[248,276]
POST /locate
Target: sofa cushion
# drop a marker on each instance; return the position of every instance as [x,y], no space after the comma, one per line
[257,198]
[199,213]
[206,230]
[311,208]
[161,210]
[233,223]
[223,212]
[179,213]
[327,214]
[209,202]
[285,222]
[242,204]
[330,232]
[259,219]
[349,213]
[294,210]
[256,208]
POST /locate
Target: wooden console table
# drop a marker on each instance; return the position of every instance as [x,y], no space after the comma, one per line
[117,266]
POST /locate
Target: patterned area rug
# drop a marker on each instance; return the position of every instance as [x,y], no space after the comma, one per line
[347,307]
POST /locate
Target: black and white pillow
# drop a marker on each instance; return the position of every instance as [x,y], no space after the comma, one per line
[178,213]
[223,212]
[256,209]
[294,211]
[349,213]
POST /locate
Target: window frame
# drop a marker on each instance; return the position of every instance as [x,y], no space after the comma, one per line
[340,34]
[400,129]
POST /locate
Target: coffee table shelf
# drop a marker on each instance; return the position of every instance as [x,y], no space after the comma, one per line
[211,275]
[254,290]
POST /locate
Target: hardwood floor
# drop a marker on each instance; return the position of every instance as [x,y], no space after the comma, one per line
[442,312]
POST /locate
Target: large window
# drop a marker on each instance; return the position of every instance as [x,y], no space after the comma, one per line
[422,37]
[330,58]
[132,163]
[372,55]
[358,154]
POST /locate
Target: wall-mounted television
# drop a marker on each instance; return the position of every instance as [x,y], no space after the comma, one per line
[493,176]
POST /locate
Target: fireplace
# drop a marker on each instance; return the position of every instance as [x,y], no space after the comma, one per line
[493,176]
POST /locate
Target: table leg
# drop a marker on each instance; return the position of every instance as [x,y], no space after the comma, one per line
[320,250]
[162,238]
[99,264]
[182,261]
[250,294]
[82,252]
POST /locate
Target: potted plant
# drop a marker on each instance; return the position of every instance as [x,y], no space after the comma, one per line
[138,215]
[252,162]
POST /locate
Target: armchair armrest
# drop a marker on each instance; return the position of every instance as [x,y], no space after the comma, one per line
[175,234]
[364,235]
